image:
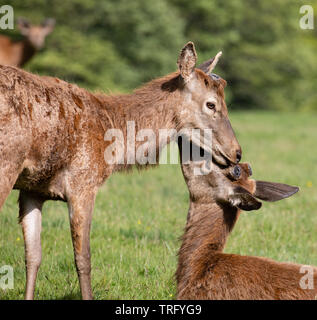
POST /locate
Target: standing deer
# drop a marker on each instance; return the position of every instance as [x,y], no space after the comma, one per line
[204,271]
[52,144]
[18,53]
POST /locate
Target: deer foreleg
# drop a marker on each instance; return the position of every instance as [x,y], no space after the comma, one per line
[8,176]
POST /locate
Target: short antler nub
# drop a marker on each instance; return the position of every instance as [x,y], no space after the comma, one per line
[214,62]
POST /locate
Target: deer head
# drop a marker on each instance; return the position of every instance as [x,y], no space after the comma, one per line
[244,192]
[204,106]
[36,34]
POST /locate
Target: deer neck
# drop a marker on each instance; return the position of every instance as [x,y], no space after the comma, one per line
[142,115]
[206,233]
[24,51]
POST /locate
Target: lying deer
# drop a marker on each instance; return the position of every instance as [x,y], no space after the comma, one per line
[204,271]
[19,53]
[52,142]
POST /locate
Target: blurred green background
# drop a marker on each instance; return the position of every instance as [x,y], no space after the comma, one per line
[268,61]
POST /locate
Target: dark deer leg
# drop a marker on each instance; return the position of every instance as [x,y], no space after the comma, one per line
[80,213]
[31,220]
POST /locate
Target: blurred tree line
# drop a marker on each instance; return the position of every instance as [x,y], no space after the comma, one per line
[268,61]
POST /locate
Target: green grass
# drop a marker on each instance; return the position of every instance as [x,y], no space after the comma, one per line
[139,217]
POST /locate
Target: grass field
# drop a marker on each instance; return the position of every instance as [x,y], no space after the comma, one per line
[139,217]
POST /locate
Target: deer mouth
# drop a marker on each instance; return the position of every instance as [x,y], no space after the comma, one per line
[220,158]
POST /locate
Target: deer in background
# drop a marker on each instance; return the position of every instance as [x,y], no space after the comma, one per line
[204,271]
[18,53]
[52,142]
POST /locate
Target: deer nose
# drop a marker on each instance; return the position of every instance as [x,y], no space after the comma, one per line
[239,156]
[236,172]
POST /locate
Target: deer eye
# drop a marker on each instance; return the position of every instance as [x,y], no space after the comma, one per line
[210,105]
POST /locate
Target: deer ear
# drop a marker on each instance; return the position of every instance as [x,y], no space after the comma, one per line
[48,25]
[187,60]
[23,25]
[244,200]
[272,191]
